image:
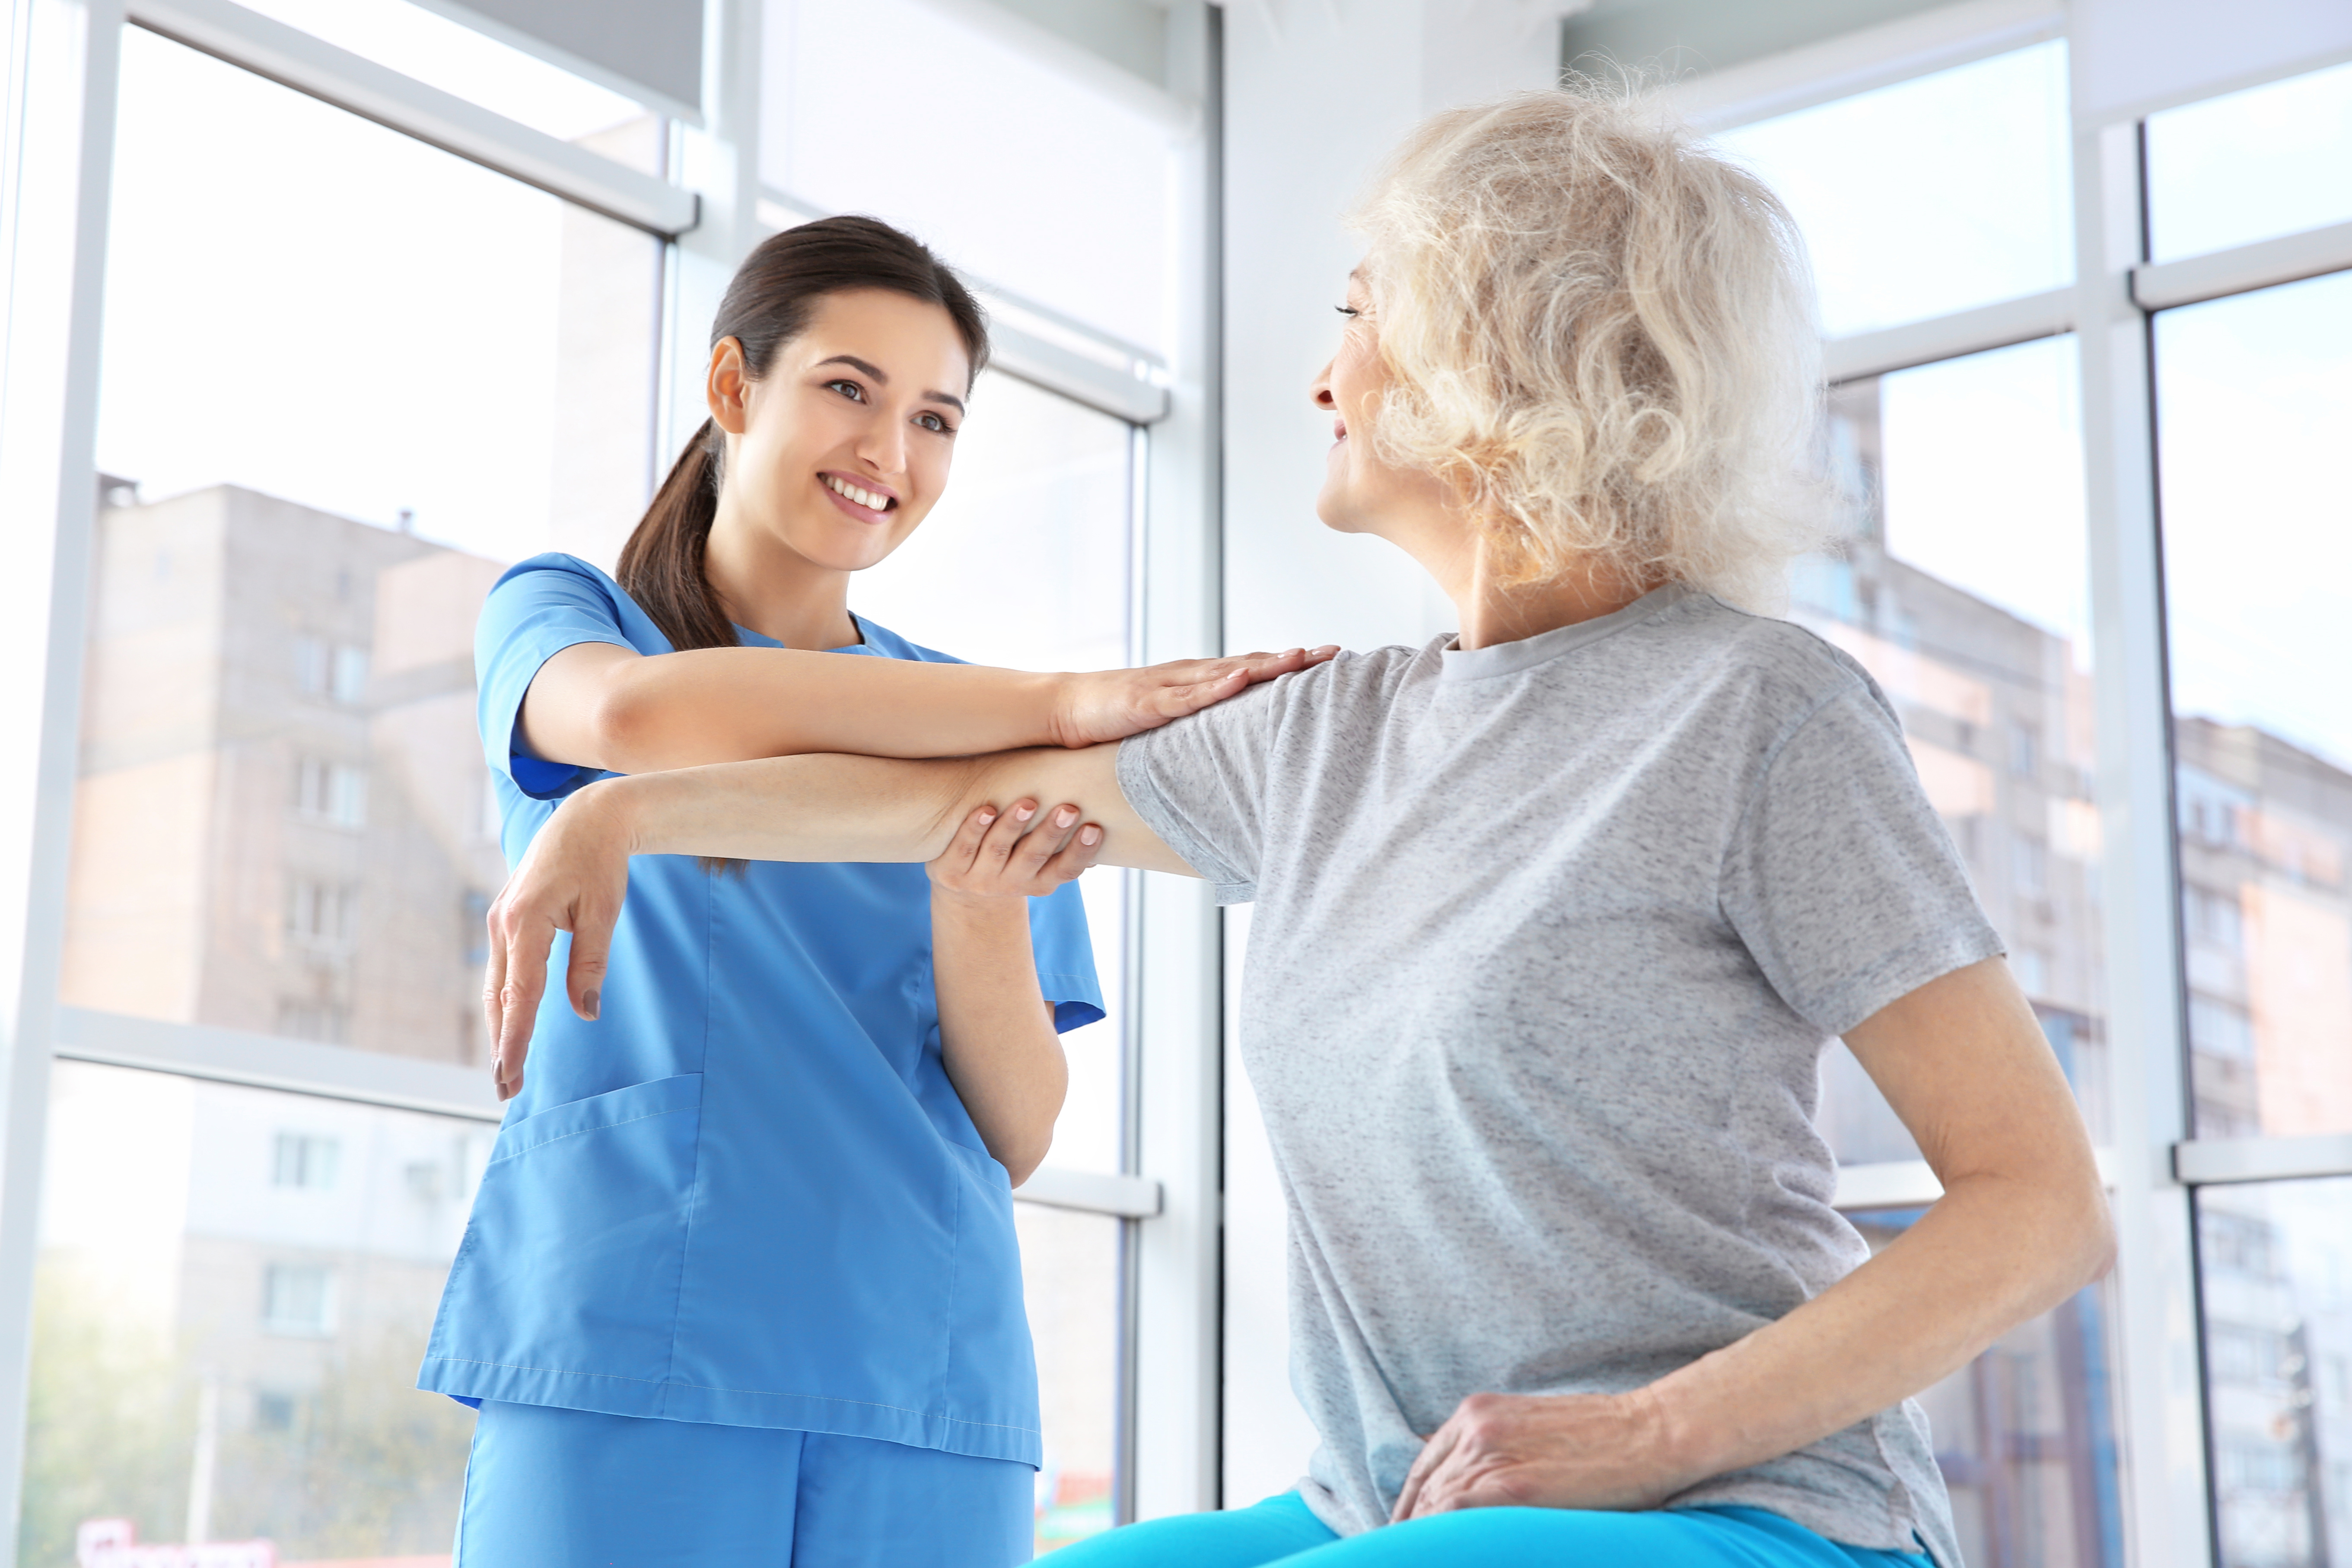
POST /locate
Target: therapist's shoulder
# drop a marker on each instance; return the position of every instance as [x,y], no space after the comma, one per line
[559,588]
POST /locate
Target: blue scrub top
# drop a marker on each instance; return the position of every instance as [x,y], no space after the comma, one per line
[747,1194]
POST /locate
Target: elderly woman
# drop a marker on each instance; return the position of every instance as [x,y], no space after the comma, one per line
[1555,915]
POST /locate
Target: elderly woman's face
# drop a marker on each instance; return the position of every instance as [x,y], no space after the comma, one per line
[1362,494]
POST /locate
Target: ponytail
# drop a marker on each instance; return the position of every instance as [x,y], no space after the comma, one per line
[661,565]
[774,295]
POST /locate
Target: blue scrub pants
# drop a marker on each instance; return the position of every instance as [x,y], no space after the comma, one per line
[550,1487]
[1281,1530]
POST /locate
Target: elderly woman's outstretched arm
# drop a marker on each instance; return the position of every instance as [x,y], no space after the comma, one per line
[820,806]
[2023,1224]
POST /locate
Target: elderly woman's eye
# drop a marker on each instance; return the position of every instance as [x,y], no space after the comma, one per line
[1348,310]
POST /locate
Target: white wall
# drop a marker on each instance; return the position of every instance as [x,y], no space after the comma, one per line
[1316,95]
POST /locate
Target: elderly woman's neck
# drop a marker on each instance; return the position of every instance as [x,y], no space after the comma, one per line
[1493,610]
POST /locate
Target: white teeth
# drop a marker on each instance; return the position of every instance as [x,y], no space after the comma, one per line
[862,497]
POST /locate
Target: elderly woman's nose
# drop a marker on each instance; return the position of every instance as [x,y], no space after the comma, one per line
[1320,389]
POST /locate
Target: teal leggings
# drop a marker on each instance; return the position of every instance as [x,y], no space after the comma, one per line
[1281,1530]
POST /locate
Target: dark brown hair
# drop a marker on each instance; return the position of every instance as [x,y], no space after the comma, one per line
[774,293]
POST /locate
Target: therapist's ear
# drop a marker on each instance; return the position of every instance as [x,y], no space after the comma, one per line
[726,385]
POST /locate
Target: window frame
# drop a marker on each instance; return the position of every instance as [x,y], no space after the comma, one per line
[61,146]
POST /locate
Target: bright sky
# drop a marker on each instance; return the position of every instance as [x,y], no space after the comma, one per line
[2266,162]
[1983,480]
[310,305]
[2254,402]
[1933,196]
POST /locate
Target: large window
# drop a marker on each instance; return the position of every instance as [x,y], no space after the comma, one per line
[347,378]
[326,425]
[2253,393]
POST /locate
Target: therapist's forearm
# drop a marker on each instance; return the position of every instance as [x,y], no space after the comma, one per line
[997,1040]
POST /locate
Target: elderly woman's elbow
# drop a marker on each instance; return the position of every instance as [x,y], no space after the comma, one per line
[2095,1235]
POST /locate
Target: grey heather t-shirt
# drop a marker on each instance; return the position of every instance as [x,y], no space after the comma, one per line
[1549,939]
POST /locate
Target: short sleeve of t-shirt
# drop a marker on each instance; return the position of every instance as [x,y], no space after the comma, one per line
[1199,784]
[1840,878]
[538,609]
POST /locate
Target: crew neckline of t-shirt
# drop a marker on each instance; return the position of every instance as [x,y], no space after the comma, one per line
[1514,657]
[751,639]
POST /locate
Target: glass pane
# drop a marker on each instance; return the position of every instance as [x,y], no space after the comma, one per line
[1963,590]
[1024,563]
[232,1297]
[1070,208]
[2274,1261]
[2253,395]
[1070,1267]
[1933,196]
[331,421]
[2253,166]
[2026,1436]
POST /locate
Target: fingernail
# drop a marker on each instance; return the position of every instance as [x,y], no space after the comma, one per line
[1065,817]
[1328,648]
[986,817]
[1294,653]
[1023,812]
[1089,836]
[592,999]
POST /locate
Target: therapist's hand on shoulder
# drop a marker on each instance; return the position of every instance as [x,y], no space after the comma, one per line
[1112,704]
[573,879]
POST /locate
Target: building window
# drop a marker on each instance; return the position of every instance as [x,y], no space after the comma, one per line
[330,792]
[303,1159]
[310,665]
[2218,1028]
[351,675]
[321,914]
[2032,863]
[299,1299]
[2213,918]
[2024,751]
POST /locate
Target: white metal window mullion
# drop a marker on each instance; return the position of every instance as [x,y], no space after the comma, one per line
[1175,1418]
[61,96]
[2160,1378]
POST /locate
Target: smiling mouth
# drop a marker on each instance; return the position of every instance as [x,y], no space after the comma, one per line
[872,500]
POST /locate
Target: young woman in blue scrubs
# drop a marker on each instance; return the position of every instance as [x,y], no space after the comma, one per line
[741,1283]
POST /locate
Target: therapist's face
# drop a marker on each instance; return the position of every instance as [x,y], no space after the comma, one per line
[841,449]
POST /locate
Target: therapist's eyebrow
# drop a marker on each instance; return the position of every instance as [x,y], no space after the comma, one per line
[882,378]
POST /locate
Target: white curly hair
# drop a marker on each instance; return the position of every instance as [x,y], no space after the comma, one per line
[1600,331]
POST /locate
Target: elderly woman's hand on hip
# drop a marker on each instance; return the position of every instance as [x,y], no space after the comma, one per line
[1561,1450]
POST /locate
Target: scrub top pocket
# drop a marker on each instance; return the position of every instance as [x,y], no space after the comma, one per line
[581,1220]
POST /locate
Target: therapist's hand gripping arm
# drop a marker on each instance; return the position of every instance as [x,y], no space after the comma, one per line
[596,705]
[822,807]
[2023,1224]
